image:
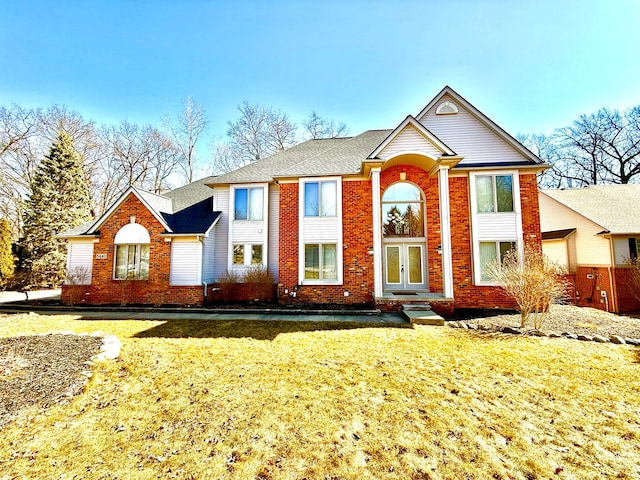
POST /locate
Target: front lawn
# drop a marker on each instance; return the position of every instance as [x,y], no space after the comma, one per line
[289,400]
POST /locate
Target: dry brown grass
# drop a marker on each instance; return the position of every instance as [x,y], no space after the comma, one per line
[279,400]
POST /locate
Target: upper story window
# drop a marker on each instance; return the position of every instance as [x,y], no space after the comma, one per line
[402,211]
[132,253]
[321,199]
[249,203]
[494,193]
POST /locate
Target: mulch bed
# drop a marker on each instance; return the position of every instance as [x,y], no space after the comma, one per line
[42,370]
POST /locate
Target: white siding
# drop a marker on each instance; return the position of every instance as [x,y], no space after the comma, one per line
[589,248]
[492,226]
[80,262]
[274,229]
[248,231]
[245,231]
[557,251]
[186,262]
[221,232]
[469,137]
[409,141]
[320,229]
[208,257]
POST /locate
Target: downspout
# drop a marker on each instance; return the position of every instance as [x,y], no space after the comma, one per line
[612,284]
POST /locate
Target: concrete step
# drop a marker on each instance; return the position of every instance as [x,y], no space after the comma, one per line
[416,306]
[422,317]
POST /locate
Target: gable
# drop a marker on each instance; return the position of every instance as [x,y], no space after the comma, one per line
[409,140]
[472,135]
[142,200]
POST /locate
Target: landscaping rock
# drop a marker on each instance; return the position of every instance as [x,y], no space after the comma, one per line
[617,340]
[538,333]
[554,335]
[600,339]
[453,324]
[632,341]
[570,335]
[585,338]
[513,330]
[463,325]
[472,326]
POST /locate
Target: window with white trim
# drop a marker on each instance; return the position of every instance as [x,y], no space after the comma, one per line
[320,261]
[320,199]
[494,193]
[132,262]
[489,252]
[247,254]
[249,203]
[132,246]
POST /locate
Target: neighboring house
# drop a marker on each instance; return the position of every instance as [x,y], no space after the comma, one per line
[412,214]
[593,231]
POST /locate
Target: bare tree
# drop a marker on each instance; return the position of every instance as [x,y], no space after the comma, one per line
[259,132]
[224,159]
[185,132]
[603,147]
[317,127]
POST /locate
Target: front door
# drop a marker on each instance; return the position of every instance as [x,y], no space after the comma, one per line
[404,267]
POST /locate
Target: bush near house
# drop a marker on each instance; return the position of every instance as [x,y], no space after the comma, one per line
[532,280]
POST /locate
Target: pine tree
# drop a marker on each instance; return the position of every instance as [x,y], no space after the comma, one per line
[6,258]
[59,200]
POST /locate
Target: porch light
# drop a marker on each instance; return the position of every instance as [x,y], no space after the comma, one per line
[370,252]
[439,249]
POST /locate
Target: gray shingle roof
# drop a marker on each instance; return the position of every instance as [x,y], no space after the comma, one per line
[329,156]
[613,207]
[186,210]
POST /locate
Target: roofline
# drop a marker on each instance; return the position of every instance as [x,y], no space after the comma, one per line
[484,119]
[424,131]
[114,206]
[574,211]
[77,235]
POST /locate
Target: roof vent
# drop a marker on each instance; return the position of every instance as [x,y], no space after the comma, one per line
[447,108]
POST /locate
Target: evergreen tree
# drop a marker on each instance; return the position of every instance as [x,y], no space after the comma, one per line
[6,258]
[59,200]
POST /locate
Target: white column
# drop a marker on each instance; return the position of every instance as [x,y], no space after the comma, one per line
[445,231]
[377,232]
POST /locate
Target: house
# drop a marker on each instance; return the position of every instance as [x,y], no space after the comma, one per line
[410,214]
[593,231]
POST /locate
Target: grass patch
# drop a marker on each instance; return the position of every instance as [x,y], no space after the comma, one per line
[276,400]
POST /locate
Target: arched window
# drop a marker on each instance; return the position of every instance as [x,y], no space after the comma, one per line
[402,211]
[132,253]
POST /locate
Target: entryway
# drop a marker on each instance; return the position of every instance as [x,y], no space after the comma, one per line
[404,267]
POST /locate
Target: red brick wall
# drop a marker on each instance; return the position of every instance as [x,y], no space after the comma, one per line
[154,291]
[357,228]
[625,302]
[466,294]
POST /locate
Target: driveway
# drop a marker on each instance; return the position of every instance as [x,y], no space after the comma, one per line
[8,297]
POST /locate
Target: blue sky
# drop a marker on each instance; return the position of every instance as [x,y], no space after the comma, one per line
[530,66]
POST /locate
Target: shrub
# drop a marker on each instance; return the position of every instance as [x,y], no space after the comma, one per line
[259,275]
[534,282]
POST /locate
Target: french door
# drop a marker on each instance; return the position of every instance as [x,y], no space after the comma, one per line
[404,267]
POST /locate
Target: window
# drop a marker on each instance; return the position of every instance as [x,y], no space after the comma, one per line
[247,254]
[132,262]
[494,193]
[320,199]
[489,252]
[249,203]
[320,262]
[132,252]
[402,211]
